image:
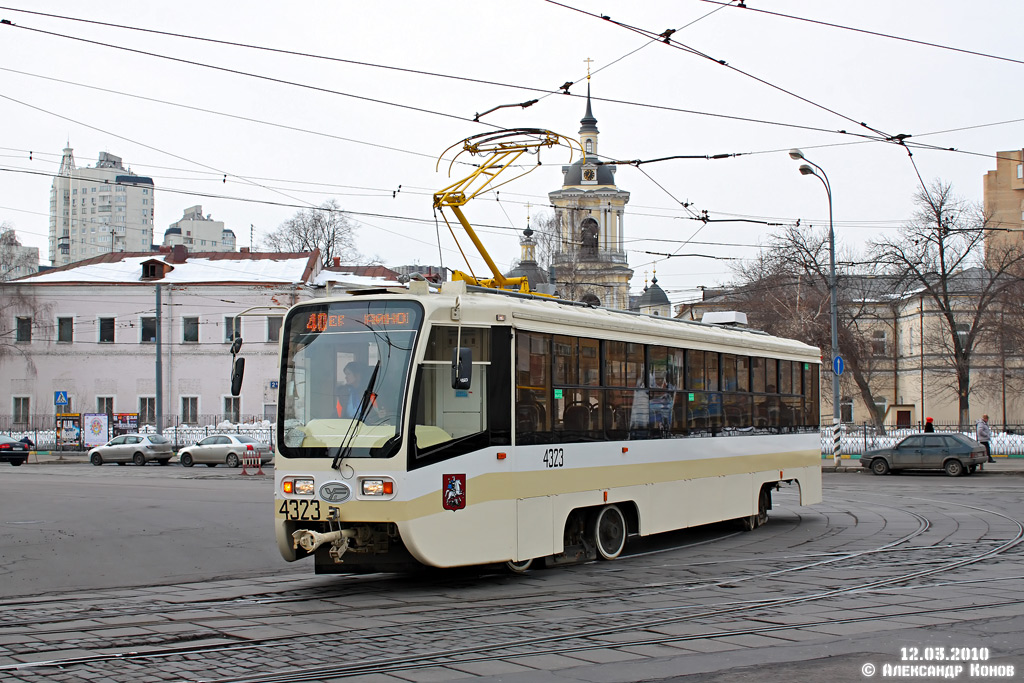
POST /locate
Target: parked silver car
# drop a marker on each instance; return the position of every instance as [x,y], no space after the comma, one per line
[136,448]
[228,449]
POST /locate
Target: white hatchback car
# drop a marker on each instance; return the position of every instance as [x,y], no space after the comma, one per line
[136,448]
[228,449]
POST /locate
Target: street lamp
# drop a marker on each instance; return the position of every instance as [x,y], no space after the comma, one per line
[806,169]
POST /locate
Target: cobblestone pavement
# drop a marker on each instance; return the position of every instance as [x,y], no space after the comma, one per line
[887,569]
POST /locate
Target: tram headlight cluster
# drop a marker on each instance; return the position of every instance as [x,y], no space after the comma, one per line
[378,487]
[299,486]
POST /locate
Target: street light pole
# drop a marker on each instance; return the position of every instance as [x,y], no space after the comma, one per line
[806,169]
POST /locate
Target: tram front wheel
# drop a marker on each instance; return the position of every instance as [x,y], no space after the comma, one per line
[608,531]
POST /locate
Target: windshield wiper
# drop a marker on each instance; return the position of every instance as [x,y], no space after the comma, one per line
[365,403]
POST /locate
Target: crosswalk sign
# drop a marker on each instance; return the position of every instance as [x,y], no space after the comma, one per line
[60,398]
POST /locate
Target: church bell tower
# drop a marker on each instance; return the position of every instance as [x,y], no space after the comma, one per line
[590,259]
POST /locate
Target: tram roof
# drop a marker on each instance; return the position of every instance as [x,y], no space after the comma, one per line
[559,316]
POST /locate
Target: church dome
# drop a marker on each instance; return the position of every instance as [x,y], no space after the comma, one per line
[574,173]
[654,297]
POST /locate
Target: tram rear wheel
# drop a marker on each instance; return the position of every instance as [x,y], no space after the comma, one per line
[518,567]
[751,522]
[608,531]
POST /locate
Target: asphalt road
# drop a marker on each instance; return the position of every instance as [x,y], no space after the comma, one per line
[153,574]
[78,527]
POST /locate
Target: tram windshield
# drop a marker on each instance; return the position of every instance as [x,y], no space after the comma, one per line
[344,377]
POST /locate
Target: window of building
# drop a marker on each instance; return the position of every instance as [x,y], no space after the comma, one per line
[274,328]
[230,331]
[106,330]
[878,343]
[846,409]
[962,330]
[148,330]
[23,331]
[1020,171]
[65,330]
[190,410]
[233,408]
[105,404]
[881,405]
[190,330]
[147,410]
[21,410]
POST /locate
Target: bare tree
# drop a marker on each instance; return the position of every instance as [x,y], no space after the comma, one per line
[545,233]
[325,228]
[15,259]
[785,291]
[939,253]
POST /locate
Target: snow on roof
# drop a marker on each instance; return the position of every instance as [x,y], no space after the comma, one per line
[196,269]
[343,280]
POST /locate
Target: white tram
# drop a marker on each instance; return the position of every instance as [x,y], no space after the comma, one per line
[471,427]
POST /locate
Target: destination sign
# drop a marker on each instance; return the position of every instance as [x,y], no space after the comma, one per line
[349,318]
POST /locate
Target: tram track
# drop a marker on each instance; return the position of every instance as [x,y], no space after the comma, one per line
[631,620]
[100,609]
[474,655]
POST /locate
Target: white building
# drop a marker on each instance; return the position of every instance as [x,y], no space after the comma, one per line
[99,209]
[16,260]
[199,233]
[90,329]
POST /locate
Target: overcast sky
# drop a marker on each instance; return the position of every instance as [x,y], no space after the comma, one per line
[296,130]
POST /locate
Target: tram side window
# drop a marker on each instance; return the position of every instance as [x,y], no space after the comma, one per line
[771,374]
[811,395]
[757,375]
[444,414]
[577,413]
[664,369]
[729,381]
[533,386]
[695,370]
[742,373]
[624,364]
[711,382]
[786,377]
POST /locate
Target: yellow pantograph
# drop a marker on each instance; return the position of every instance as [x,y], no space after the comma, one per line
[500,149]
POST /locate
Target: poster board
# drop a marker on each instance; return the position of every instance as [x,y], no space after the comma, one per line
[125,423]
[69,430]
[95,429]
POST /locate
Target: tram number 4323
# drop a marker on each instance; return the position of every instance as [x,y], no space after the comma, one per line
[554,457]
[300,509]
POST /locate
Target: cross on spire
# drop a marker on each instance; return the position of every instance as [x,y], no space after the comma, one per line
[588,61]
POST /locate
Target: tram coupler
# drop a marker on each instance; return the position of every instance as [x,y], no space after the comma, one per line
[311,540]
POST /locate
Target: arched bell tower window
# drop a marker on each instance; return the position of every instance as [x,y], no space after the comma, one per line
[590,146]
[588,237]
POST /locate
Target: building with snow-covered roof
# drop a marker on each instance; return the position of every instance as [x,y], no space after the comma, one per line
[93,329]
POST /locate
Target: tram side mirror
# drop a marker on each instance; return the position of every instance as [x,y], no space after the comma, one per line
[237,370]
[462,368]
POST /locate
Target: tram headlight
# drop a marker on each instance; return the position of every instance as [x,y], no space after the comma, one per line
[299,486]
[378,487]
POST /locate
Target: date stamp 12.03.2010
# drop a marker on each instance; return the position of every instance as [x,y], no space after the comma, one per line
[941,662]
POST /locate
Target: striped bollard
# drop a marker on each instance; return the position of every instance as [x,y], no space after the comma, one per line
[836,443]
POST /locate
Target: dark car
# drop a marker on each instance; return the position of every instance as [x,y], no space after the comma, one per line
[955,453]
[12,450]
